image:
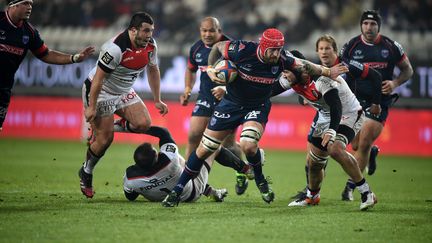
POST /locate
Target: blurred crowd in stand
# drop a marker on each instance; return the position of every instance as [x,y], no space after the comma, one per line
[240,19]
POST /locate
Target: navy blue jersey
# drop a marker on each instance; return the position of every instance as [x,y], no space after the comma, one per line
[253,85]
[198,57]
[383,56]
[15,41]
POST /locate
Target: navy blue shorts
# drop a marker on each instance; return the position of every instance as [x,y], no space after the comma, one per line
[386,103]
[204,106]
[229,115]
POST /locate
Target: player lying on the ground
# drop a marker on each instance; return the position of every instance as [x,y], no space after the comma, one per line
[155,174]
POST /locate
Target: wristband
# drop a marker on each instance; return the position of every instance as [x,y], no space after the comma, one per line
[325,71]
[74,58]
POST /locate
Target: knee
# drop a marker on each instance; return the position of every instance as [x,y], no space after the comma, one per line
[249,149]
[316,162]
[336,152]
[194,136]
[142,125]
[105,138]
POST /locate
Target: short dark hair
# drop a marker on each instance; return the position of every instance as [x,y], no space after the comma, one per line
[145,156]
[139,18]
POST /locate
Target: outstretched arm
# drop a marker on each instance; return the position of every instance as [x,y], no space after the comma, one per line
[154,83]
[312,69]
[162,133]
[56,57]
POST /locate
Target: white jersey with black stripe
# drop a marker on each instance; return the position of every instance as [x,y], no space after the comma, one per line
[123,63]
[155,187]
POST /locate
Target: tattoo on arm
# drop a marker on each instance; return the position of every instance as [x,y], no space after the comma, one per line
[406,72]
[305,66]
[216,53]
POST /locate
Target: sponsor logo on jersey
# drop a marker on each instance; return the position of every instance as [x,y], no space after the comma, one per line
[107,58]
[231,47]
[385,53]
[153,183]
[170,148]
[11,49]
[247,67]
[256,79]
[379,65]
[150,55]
[356,64]
[358,54]
[198,57]
[25,39]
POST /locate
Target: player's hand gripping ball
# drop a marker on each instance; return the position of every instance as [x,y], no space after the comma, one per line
[226,70]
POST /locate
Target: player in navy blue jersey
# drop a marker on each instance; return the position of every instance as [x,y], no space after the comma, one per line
[246,103]
[17,36]
[377,51]
[208,96]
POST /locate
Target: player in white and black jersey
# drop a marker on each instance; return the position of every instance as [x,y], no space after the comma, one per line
[108,91]
[154,174]
[338,119]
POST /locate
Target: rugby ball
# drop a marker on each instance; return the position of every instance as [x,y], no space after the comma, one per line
[226,70]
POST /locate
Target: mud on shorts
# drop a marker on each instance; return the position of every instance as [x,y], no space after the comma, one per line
[349,126]
[108,104]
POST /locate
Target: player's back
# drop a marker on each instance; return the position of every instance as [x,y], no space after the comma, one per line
[154,185]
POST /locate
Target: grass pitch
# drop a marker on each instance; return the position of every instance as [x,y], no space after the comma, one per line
[40,201]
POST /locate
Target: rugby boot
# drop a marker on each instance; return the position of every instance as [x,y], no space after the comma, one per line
[241,183]
[372,159]
[86,183]
[267,193]
[171,200]
[305,201]
[368,200]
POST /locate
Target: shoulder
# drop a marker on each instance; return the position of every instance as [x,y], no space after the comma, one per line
[197,45]
[152,43]
[225,37]
[134,171]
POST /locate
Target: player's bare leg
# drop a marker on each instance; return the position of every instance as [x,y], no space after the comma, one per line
[103,127]
[197,127]
[348,162]
[137,117]
[316,162]
[249,138]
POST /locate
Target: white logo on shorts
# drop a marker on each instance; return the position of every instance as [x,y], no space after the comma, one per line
[252,115]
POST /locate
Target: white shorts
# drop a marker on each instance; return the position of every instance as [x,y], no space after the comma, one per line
[353,120]
[108,104]
[199,184]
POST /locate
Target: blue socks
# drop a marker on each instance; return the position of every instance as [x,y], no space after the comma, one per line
[192,169]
